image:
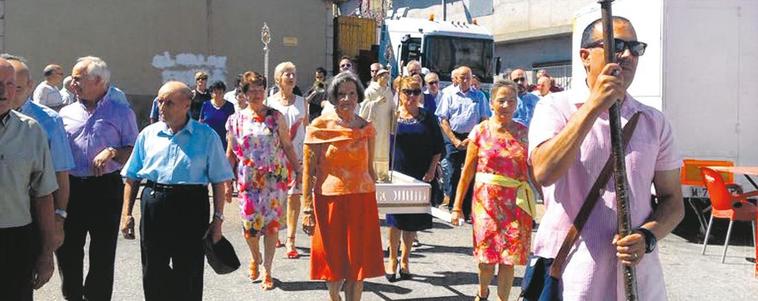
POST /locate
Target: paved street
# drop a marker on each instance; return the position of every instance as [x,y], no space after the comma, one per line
[443,270]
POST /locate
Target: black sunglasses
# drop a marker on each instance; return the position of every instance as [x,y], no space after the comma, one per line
[412,92]
[637,48]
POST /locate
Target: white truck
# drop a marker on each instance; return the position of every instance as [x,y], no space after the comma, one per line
[700,69]
[440,46]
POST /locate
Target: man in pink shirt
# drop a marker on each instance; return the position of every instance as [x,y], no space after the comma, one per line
[569,142]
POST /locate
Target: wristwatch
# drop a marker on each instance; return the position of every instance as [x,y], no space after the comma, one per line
[61,212]
[650,240]
[219,216]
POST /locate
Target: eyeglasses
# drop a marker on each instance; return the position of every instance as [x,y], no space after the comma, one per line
[434,82]
[412,92]
[346,65]
[519,79]
[637,48]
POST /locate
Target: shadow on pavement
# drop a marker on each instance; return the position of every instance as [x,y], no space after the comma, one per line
[293,286]
[429,248]
[368,286]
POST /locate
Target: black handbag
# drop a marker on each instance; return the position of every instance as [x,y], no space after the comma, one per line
[541,281]
[221,256]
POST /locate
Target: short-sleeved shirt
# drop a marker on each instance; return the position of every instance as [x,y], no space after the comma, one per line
[591,271]
[198,98]
[525,108]
[294,115]
[343,166]
[52,124]
[110,124]
[463,110]
[26,168]
[154,112]
[48,95]
[430,101]
[216,118]
[192,155]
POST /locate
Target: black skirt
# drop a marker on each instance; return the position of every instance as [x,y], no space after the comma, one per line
[410,222]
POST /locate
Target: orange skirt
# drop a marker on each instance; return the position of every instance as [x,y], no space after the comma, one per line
[346,242]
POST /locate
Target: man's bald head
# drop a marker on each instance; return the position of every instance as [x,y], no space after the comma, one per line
[462,75]
[53,74]
[518,76]
[176,88]
[7,85]
[544,84]
[24,84]
[593,54]
[174,100]
[413,67]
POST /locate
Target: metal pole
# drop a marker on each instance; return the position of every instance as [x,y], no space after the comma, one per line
[266,39]
[444,10]
[619,165]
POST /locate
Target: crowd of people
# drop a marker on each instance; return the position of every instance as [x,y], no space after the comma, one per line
[72,163]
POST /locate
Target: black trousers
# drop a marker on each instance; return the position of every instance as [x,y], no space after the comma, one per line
[94,208]
[456,158]
[172,227]
[17,248]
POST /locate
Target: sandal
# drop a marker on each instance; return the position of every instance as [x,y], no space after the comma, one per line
[279,244]
[392,277]
[268,283]
[480,298]
[405,273]
[292,253]
[254,272]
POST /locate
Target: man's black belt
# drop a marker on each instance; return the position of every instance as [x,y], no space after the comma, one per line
[460,136]
[173,187]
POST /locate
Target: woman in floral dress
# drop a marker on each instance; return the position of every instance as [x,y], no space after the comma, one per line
[263,151]
[503,203]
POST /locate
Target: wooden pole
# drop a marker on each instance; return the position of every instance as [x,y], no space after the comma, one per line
[619,167]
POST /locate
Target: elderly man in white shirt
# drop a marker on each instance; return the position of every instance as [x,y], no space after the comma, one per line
[47,92]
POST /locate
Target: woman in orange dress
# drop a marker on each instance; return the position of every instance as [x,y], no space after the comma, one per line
[502,203]
[339,195]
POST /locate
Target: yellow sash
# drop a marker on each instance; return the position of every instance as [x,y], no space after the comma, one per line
[524,193]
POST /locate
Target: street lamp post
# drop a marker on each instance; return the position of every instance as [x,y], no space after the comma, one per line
[266,39]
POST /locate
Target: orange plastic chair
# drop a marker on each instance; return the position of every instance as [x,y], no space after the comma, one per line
[725,204]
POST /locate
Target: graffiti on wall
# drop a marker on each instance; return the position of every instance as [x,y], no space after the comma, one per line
[183,66]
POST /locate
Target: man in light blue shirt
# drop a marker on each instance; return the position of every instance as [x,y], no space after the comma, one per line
[154,114]
[459,110]
[526,101]
[178,157]
[52,124]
